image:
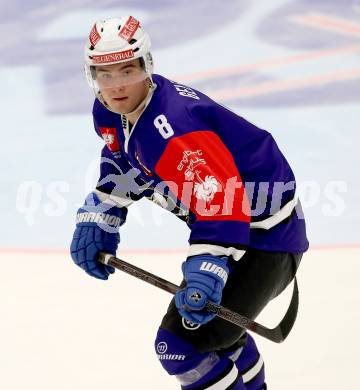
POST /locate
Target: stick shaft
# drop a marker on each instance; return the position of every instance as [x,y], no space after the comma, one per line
[277,334]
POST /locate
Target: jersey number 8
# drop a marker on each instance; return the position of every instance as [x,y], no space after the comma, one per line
[164,127]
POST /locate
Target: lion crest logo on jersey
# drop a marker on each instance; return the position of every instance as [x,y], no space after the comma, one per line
[207,188]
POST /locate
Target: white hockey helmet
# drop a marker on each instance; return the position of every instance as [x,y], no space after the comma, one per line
[113,41]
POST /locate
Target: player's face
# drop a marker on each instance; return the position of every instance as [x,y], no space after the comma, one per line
[123,86]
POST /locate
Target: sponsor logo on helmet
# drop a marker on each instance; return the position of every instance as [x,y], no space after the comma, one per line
[113,57]
[129,29]
[94,36]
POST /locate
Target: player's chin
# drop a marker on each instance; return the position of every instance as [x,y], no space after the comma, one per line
[119,108]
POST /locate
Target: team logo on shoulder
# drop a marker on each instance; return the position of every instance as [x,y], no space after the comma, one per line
[110,138]
[189,325]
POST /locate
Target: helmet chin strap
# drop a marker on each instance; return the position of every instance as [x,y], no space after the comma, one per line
[143,103]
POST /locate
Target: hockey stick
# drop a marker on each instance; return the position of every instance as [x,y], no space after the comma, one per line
[277,334]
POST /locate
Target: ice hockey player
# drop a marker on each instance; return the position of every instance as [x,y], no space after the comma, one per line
[223,176]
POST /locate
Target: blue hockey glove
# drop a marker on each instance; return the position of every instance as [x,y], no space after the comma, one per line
[205,277]
[97,230]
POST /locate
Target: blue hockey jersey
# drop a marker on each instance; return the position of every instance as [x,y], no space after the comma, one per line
[223,176]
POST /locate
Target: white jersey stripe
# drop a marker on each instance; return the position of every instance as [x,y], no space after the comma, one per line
[235,356]
[216,250]
[282,214]
[251,374]
[225,382]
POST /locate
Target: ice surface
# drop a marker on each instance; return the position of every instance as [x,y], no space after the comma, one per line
[62,329]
